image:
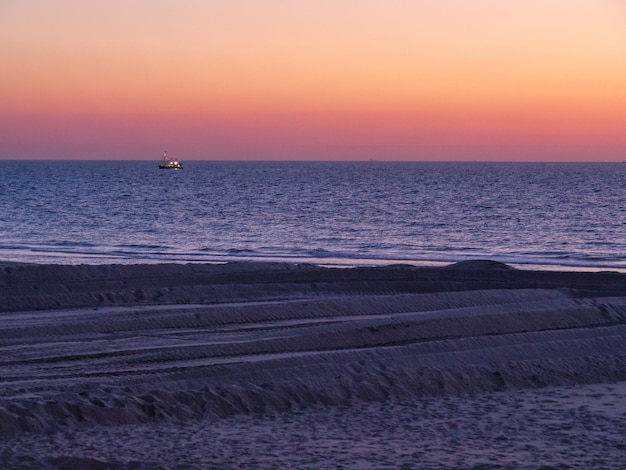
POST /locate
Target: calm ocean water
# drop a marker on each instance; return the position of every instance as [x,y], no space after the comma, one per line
[367,213]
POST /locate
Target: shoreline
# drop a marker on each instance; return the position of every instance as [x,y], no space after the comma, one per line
[109,346]
[326,262]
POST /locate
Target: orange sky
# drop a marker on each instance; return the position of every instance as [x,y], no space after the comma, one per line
[330,79]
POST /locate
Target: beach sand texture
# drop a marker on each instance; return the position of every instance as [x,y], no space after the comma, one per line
[260,365]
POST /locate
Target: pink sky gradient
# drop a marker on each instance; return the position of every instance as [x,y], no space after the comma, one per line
[324,80]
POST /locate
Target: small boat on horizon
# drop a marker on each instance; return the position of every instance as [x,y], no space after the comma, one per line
[170,163]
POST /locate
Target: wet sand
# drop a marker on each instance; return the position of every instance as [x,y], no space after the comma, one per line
[260,365]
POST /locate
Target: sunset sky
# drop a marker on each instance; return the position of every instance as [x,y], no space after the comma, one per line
[313,80]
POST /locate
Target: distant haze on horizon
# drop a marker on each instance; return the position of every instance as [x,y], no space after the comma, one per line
[454,80]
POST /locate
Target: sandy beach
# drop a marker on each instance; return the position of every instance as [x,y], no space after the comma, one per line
[270,365]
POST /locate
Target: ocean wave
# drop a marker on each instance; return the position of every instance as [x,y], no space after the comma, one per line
[72,243]
[237,251]
[142,246]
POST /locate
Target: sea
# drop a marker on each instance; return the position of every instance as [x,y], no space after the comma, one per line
[556,216]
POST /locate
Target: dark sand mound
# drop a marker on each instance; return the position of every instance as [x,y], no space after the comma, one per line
[44,287]
[480,265]
[85,345]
